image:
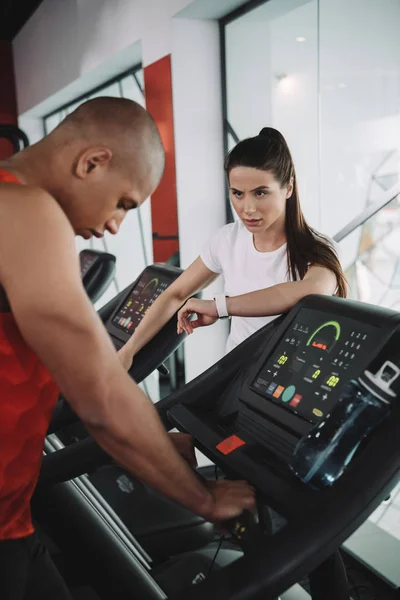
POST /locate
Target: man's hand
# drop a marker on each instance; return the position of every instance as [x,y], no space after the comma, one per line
[231,498]
[183,443]
[205,310]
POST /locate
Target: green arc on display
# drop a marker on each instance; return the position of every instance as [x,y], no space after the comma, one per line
[334,324]
[155,281]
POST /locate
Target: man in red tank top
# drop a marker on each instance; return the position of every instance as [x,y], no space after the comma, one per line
[104,159]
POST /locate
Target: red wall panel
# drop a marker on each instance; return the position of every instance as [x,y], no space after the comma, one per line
[8,100]
[164,210]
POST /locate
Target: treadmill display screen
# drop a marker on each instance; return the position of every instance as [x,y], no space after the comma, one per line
[144,294]
[313,359]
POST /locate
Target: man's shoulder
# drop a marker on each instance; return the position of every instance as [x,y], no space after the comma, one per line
[36,238]
[20,192]
[32,225]
[26,203]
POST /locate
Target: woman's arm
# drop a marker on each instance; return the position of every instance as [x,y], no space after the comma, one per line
[195,278]
[270,301]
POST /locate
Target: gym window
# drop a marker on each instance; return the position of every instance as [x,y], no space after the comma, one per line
[326,74]
[129,84]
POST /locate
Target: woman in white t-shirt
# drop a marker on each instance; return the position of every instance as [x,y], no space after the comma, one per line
[270,258]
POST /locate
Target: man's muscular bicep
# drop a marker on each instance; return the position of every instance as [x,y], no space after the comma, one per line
[43,284]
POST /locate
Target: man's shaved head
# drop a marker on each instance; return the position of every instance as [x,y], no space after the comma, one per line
[104,159]
[123,126]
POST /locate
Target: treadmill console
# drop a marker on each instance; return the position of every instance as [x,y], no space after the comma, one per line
[152,282]
[316,355]
[323,374]
[307,410]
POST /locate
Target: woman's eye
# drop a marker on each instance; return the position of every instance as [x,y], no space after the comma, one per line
[121,206]
[261,194]
[238,194]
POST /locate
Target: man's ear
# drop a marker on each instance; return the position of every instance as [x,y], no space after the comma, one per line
[91,160]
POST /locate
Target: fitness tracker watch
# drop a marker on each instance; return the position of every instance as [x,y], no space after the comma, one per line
[220,302]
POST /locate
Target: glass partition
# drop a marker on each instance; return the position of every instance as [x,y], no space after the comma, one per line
[326,74]
[374,276]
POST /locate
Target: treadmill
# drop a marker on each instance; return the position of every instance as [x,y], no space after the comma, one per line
[251,414]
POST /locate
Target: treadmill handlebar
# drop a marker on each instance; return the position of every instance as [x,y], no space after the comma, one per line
[66,464]
[69,463]
[83,456]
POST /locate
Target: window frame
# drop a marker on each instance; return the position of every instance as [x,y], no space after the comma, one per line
[115,79]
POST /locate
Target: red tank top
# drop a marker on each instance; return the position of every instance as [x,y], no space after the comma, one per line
[28,395]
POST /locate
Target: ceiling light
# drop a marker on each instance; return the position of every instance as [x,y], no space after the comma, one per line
[300,39]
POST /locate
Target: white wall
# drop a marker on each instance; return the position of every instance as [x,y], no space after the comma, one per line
[32,126]
[64,41]
[70,46]
[199,160]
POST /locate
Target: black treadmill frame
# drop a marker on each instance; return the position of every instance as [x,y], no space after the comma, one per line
[315,527]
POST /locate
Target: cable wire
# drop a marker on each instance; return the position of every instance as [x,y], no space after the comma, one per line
[215,555]
[223,537]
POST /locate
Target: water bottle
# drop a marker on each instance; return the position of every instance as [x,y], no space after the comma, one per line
[322,456]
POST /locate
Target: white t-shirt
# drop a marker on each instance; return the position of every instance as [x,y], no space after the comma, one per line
[231,252]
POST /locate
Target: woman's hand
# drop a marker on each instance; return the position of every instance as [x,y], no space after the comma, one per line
[125,355]
[205,310]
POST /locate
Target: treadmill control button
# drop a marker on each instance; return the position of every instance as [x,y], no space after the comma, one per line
[277,393]
[288,393]
[296,400]
[230,444]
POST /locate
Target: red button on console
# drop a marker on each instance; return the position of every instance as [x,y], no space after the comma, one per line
[230,444]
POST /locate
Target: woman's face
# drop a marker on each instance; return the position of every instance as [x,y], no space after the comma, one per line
[257,197]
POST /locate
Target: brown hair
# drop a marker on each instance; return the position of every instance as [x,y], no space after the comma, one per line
[269,151]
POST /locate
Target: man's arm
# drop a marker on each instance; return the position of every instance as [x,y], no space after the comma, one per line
[40,273]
